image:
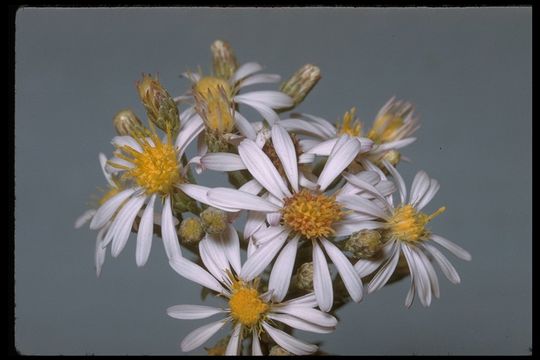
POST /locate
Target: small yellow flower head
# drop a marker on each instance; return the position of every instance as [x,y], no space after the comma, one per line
[213,103]
[191,231]
[223,59]
[388,124]
[126,122]
[350,125]
[277,350]
[160,106]
[311,214]
[364,244]
[246,305]
[301,83]
[409,225]
[214,221]
[304,277]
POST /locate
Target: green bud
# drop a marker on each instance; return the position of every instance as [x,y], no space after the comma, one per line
[126,122]
[214,221]
[277,350]
[301,83]
[191,231]
[223,59]
[160,106]
[304,277]
[364,244]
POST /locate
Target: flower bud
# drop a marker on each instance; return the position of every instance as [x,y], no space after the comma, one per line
[223,59]
[364,244]
[304,277]
[301,83]
[160,106]
[191,231]
[126,122]
[214,221]
[277,350]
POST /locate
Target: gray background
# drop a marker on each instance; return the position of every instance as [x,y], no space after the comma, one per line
[468,71]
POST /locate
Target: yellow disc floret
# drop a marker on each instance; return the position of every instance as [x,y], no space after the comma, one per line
[409,225]
[246,305]
[311,215]
[155,167]
[386,128]
[212,98]
[350,125]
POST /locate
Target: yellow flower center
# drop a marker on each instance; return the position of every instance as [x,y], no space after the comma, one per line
[109,194]
[385,128]
[409,225]
[214,105]
[350,125]
[311,215]
[156,167]
[246,305]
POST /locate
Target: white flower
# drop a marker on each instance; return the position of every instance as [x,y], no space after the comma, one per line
[391,130]
[215,104]
[151,168]
[404,228]
[250,312]
[299,208]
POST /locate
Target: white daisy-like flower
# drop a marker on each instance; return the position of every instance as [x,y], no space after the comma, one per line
[296,211]
[404,228]
[392,129]
[250,312]
[218,94]
[151,168]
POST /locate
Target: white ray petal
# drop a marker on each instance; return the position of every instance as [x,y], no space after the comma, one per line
[272,99]
[306,313]
[308,300]
[450,246]
[262,169]
[196,192]
[195,273]
[145,233]
[383,275]
[168,231]
[84,218]
[323,148]
[364,206]
[103,165]
[266,112]
[100,250]
[255,345]
[200,335]
[280,277]
[234,342]
[341,156]
[124,223]
[430,193]
[288,342]
[245,70]
[236,200]
[252,187]
[286,153]
[192,312]
[322,281]
[244,126]
[346,270]
[419,187]
[193,127]
[220,161]
[259,79]
[231,247]
[300,324]
[303,127]
[263,256]
[213,257]
[345,229]
[446,266]
[255,220]
[107,210]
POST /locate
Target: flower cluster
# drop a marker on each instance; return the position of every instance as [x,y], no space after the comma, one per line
[308,223]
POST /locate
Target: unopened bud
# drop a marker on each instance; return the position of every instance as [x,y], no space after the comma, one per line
[191,231]
[364,244]
[160,106]
[301,83]
[223,59]
[214,221]
[304,277]
[277,350]
[126,122]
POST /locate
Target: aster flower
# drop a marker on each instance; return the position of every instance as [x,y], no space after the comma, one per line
[296,211]
[392,129]
[151,168]
[250,312]
[404,229]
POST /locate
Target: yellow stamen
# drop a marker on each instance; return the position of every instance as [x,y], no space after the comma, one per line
[246,305]
[312,215]
[385,128]
[109,194]
[409,225]
[350,125]
[214,104]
